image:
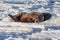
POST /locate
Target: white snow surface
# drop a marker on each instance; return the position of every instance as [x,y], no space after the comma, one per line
[47,30]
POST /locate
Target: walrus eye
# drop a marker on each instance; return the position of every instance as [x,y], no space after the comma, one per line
[31,20]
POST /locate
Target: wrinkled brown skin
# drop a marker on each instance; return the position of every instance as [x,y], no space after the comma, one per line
[30,17]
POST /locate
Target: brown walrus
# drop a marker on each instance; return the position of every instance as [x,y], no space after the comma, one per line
[31,17]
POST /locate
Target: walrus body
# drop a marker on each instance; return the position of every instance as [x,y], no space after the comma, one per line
[30,17]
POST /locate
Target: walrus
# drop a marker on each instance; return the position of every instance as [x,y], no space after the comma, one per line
[31,17]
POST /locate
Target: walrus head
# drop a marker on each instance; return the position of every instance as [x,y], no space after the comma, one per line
[31,17]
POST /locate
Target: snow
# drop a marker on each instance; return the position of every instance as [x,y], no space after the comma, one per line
[47,30]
